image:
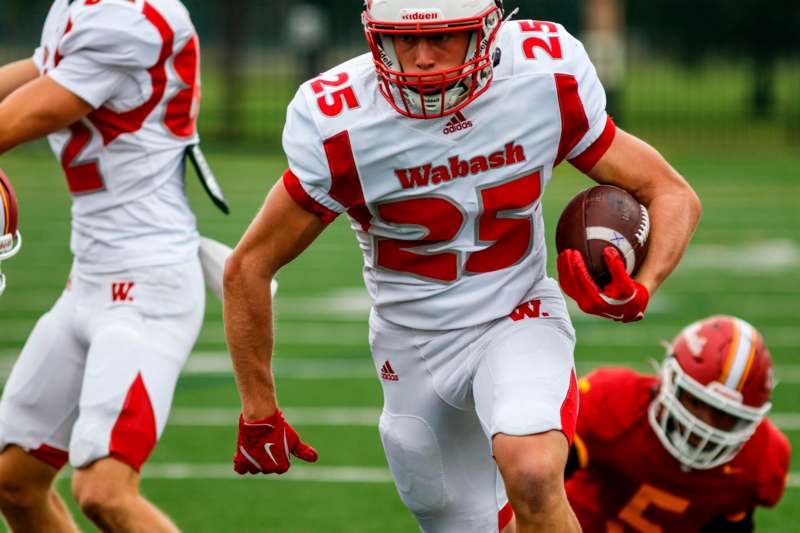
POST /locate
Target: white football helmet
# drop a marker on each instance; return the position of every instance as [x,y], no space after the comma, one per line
[439,93]
[10,240]
[720,362]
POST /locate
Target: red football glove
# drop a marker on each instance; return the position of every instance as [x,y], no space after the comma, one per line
[623,299]
[264,446]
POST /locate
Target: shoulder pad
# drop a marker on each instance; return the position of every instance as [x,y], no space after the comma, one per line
[539,47]
[341,96]
[612,400]
[772,458]
[116,33]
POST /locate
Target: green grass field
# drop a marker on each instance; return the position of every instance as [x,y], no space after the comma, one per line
[744,260]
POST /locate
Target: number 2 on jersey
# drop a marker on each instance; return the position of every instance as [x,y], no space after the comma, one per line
[508,234]
[551,46]
[180,119]
[82,178]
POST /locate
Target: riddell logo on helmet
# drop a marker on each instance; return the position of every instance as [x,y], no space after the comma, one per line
[420,14]
[457,123]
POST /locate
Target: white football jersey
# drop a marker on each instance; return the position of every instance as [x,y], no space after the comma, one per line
[137,63]
[448,211]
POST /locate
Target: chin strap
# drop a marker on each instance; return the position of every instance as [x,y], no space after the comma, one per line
[510,15]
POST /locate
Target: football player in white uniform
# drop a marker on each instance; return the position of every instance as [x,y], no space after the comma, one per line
[440,161]
[115,87]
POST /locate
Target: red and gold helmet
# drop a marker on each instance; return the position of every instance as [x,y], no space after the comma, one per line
[722,362]
[10,240]
[439,93]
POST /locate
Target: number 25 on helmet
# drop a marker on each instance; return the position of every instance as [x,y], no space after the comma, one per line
[10,240]
[436,93]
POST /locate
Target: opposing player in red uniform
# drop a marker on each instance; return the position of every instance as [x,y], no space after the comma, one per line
[689,451]
[438,145]
[114,85]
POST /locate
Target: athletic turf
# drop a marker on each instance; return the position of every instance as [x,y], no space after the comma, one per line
[744,260]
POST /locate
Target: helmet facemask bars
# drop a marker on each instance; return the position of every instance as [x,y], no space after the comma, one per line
[693,442]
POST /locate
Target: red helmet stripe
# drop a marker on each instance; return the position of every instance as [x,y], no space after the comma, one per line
[750,358]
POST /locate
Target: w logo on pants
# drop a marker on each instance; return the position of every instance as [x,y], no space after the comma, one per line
[121,291]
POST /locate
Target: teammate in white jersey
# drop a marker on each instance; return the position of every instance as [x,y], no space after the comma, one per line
[115,87]
[440,162]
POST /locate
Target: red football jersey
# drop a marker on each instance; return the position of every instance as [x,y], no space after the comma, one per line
[629,482]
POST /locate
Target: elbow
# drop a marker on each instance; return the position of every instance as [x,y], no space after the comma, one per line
[244,271]
[232,273]
[693,205]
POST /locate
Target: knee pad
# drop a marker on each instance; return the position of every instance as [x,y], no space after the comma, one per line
[415,458]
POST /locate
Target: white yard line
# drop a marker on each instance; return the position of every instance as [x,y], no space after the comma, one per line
[348,416]
[322,474]
[314,473]
[311,416]
[218,363]
[592,332]
[760,256]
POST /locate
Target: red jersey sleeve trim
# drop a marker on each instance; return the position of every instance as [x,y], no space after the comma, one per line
[589,158]
[299,195]
[574,124]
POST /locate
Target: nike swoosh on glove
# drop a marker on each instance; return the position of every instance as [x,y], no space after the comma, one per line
[623,300]
[264,446]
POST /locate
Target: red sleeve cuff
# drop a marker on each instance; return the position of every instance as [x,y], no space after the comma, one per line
[589,158]
[299,195]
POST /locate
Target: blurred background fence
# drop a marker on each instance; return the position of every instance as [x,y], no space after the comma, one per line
[715,72]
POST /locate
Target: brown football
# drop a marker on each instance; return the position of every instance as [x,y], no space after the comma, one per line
[601,216]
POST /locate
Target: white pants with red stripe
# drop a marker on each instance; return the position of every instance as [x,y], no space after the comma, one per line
[97,374]
[447,393]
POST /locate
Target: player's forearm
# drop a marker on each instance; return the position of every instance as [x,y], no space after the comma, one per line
[674,214]
[248,328]
[38,109]
[15,75]
[672,204]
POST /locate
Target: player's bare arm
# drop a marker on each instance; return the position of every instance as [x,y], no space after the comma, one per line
[280,231]
[15,75]
[36,109]
[674,207]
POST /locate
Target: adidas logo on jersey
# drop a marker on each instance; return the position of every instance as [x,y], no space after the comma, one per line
[388,373]
[457,123]
[427,174]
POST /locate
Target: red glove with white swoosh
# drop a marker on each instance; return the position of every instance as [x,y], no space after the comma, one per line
[264,446]
[623,300]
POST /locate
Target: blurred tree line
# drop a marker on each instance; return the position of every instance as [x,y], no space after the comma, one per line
[753,34]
